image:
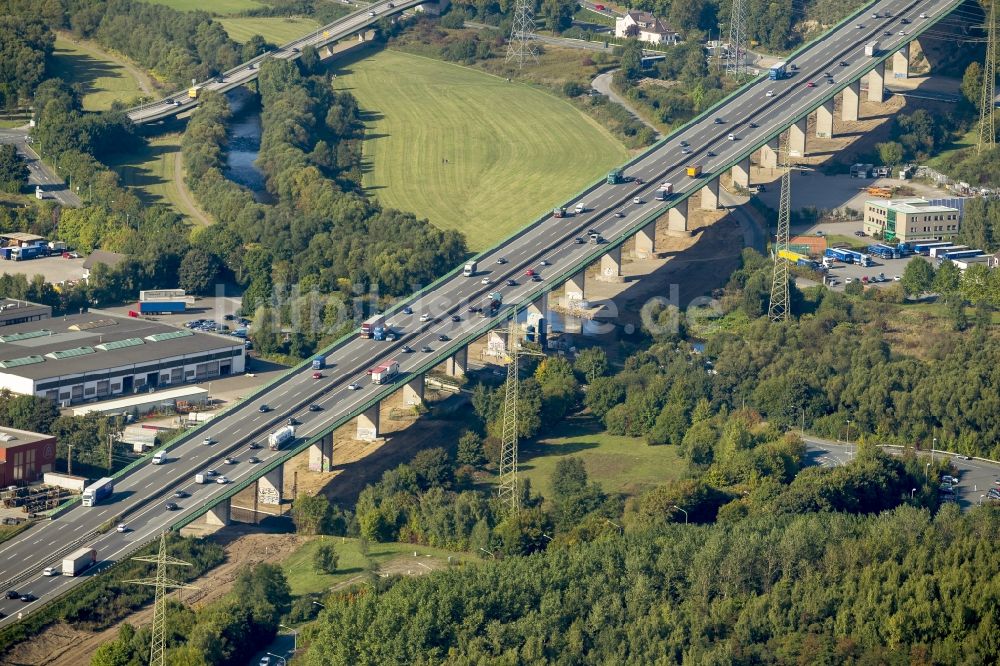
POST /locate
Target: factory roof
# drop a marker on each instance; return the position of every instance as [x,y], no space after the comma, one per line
[913,205]
[95,342]
[11,437]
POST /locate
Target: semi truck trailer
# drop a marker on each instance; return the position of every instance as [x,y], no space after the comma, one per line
[78,561]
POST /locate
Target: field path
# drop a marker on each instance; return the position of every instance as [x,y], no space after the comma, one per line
[193,210]
[142,79]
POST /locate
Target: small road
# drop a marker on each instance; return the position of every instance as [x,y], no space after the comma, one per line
[185,194]
[975,477]
[38,172]
[602,84]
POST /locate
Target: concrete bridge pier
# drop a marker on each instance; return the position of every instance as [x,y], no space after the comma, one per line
[850,110]
[539,307]
[741,173]
[269,486]
[876,83]
[220,513]
[368,423]
[824,120]
[575,287]
[413,391]
[456,365]
[321,454]
[677,219]
[710,195]
[769,155]
[797,138]
[611,265]
[901,63]
[645,241]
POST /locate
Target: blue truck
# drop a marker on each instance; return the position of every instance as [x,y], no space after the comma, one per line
[924,247]
[97,491]
[777,71]
[29,252]
[319,362]
[959,254]
[848,256]
[161,307]
[884,251]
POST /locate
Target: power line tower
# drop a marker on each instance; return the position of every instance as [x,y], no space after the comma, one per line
[778,308]
[157,646]
[520,47]
[736,57]
[987,126]
[508,490]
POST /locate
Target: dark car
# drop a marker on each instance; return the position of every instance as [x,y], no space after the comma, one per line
[263,409]
[406,349]
[426,349]
[13,594]
[28,596]
[536,278]
[844,63]
[315,408]
[407,310]
[170,506]
[292,421]
[253,460]
[456,318]
[443,338]
[254,445]
[579,241]
[181,494]
[511,282]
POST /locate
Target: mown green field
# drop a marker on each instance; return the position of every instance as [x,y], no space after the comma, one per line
[220,7]
[620,464]
[278,30]
[470,151]
[104,81]
[397,557]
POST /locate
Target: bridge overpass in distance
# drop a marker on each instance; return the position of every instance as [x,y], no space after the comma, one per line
[618,212]
[181,102]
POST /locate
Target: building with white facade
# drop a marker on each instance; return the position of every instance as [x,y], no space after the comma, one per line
[646,28]
[910,219]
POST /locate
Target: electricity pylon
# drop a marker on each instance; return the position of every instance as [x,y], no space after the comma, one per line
[522,33]
[157,645]
[987,127]
[508,491]
[736,58]
[778,308]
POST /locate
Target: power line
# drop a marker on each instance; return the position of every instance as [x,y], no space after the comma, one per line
[987,126]
[778,307]
[736,56]
[508,491]
[157,646]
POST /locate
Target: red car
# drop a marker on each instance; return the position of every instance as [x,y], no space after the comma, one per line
[810,85]
[317,375]
[529,272]
[599,8]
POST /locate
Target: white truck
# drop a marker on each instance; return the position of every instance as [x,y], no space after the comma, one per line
[279,437]
[159,458]
[470,269]
[383,374]
[871,49]
[78,561]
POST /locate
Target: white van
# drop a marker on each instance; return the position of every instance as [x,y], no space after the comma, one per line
[159,457]
[580,208]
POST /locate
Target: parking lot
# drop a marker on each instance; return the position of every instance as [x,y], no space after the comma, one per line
[891,268]
[56,270]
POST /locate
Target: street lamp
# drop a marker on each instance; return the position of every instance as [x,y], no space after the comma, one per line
[295,636]
[849,436]
[319,604]
[278,656]
[981,498]
[927,472]
[611,522]
[685,513]
[546,536]
[933,446]
[488,553]
[912,490]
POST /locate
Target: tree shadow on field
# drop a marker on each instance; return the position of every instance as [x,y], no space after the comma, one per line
[134,172]
[81,69]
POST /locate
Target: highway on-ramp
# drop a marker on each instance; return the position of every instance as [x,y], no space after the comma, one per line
[140,495]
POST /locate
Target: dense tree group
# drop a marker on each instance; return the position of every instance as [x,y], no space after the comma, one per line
[25,43]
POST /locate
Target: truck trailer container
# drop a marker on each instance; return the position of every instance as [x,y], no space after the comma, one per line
[924,247]
[693,171]
[872,49]
[319,362]
[615,177]
[161,307]
[373,325]
[78,561]
[959,254]
[791,256]
[279,437]
[470,269]
[938,252]
[384,373]
[97,491]
[777,71]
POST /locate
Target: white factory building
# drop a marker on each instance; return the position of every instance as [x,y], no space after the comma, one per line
[91,356]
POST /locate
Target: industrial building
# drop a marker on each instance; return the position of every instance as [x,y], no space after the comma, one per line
[96,356]
[910,219]
[19,312]
[25,456]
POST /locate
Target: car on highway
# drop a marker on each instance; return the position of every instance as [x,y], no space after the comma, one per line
[229,460]
[578,241]
[485,280]
[511,282]
[406,349]
[254,445]
[315,408]
[501,260]
[425,317]
[710,154]
[253,460]
[353,386]
[811,84]
[860,26]
[769,93]
[685,151]
[122,528]
[637,201]
[407,310]
[529,272]
[683,144]
[901,33]
[371,13]
[13,594]
[456,318]
[181,494]
[543,262]
[28,597]
[264,409]
[923,15]
[718,121]
[443,338]
[753,125]
[731,137]
[619,213]
[536,278]
[208,441]
[426,349]
[211,472]
[170,506]
[222,480]
[844,63]
[51,571]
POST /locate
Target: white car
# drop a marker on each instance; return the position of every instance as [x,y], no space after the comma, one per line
[353,387]
[731,137]
[685,151]
[51,571]
[637,201]
[222,480]
[849,281]
[543,262]
[485,280]
[922,15]
[769,93]
[122,528]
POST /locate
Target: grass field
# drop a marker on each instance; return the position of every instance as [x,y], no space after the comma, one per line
[397,557]
[219,7]
[151,173]
[279,30]
[620,464]
[103,81]
[512,151]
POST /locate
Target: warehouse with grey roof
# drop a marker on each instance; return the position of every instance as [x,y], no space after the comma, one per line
[96,356]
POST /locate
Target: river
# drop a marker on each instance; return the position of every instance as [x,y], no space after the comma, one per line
[244,145]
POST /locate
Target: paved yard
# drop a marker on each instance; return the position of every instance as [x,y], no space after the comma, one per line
[55,269]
